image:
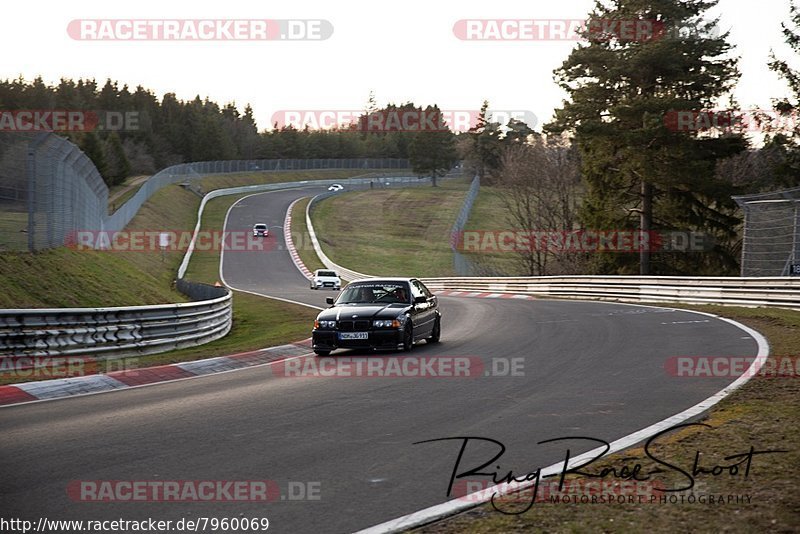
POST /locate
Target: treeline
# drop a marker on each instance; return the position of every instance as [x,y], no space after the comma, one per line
[140,133]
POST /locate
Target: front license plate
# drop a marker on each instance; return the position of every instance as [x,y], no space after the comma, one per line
[353,335]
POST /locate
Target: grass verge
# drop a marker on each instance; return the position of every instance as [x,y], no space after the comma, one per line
[400,232]
[13,230]
[489,215]
[67,277]
[120,194]
[763,413]
[258,322]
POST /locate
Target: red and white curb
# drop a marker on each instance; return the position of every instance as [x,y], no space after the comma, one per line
[82,385]
[484,295]
[287,236]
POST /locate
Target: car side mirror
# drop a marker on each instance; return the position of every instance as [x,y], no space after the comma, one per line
[329,300]
[420,300]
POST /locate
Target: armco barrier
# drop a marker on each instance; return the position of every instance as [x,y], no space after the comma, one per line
[109,333]
[118,332]
[731,291]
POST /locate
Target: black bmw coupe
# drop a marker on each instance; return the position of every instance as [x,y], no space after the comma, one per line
[378,313]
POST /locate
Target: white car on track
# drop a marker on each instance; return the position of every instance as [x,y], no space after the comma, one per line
[326,279]
[260,230]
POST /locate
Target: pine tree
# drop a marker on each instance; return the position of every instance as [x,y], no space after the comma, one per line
[483,149]
[119,167]
[788,143]
[93,148]
[622,92]
[433,151]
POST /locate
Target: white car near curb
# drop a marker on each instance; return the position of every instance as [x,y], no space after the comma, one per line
[260,230]
[325,279]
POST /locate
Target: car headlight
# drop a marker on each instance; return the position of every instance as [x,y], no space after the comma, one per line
[387,323]
[324,324]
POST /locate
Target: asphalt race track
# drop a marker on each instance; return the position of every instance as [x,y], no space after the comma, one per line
[588,369]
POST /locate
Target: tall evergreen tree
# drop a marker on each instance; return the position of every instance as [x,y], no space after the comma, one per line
[788,142]
[622,91]
[118,166]
[483,150]
[93,148]
[433,151]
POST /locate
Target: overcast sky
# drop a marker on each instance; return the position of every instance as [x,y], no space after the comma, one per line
[402,51]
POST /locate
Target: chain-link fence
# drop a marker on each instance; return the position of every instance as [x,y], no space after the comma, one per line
[462,265]
[47,188]
[50,189]
[771,240]
[13,192]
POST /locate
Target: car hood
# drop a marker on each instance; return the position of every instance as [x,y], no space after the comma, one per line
[364,311]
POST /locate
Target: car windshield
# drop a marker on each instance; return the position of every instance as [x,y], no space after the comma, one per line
[326,273]
[388,293]
[260,227]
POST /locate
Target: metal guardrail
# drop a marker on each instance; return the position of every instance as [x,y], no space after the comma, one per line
[116,332]
[730,291]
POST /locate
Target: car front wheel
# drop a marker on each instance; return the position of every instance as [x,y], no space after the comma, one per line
[436,333]
[408,338]
[322,352]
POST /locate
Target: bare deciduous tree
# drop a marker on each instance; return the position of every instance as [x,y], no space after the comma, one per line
[539,184]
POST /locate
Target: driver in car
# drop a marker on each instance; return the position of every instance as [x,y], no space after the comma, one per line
[400,294]
[365,294]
